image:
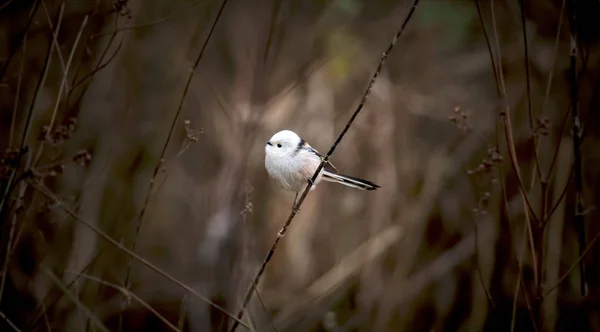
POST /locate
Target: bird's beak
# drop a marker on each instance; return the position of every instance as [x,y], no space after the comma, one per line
[269,143]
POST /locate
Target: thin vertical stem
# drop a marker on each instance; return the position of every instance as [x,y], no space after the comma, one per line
[579,218]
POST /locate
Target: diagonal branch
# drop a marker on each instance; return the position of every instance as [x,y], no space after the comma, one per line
[171,130]
[300,200]
[50,195]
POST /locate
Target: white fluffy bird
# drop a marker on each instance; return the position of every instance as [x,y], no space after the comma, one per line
[291,162]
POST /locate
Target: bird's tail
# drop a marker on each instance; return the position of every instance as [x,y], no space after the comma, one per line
[349,181]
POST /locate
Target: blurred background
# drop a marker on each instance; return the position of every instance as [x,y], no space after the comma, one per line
[108,151]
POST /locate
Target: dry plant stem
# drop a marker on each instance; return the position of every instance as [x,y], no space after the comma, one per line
[54,278]
[46,192]
[554,57]
[171,15]
[576,264]
[5,4]
[520,257]
[35,7]
[17,94]
[568,112]
[489,46]
[9,322]
[579,217]
[181,319]
[128,293]
[298,203]
[9,184]
[171,130]
[41,310]
[46,320]
[264,307]
[505,115]
[11,235]
[62,84]
[529,107]
[99,65]
[61,59]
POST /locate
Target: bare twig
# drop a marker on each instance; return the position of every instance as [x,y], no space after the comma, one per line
[100,65]
[9,186]
[39,186]
[182,9]
[98,324]
[62,84]
[61,59]
[578,262]
[501,89]
[35,7]
[9,322]
[171,130]
[13,119]
[488,294]
[128,293]
[579,217]
[11,236]
[554,57]
[529,107]
[300,200]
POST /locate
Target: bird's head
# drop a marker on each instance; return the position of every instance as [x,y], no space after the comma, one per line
[282,144]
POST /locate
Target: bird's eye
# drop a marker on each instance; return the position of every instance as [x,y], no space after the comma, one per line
[278,145]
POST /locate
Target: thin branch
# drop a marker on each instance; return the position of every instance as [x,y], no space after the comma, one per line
[564,120]
[554,57]
[99,64]
[182,9]
[299,202]
[4,5]
[579,217]
[35,7]
[42,308]
[17,94]
[39,186]
[66,70]
[74,298]
[505,114]
[562,195]
[171,130]
[62,85]
[61,59]
[488,294]
[9,322]
[489,47]
[501,89]
[40,83]
[528,79]
[264,307]
[578,262]
[127,293]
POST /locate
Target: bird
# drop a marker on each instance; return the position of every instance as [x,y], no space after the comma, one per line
[291,163]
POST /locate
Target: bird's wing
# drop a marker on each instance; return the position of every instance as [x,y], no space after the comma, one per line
[329,166]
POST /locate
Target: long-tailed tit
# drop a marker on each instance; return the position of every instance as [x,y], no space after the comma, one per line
[291,162]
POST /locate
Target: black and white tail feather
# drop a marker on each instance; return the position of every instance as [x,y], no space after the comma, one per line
[346,180]
[349,181]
